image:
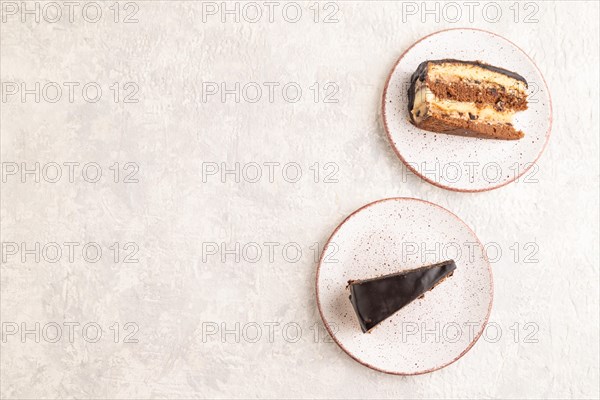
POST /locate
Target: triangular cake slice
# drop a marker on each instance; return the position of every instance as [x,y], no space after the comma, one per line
[468,98]
[377,299]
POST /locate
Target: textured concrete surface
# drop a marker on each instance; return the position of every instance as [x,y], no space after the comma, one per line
[195,311]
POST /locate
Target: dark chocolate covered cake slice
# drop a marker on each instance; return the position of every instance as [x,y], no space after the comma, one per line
[467,98]
[377,299]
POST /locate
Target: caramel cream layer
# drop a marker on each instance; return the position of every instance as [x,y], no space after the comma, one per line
[455,72]
[423,97]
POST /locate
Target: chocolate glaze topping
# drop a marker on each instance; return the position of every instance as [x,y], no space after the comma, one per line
[421,72]
[375,300]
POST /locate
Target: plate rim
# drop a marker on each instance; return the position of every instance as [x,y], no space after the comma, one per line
[335,339]
[438,184]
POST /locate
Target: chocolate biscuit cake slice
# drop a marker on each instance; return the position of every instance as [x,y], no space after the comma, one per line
[468,98]
[377,299]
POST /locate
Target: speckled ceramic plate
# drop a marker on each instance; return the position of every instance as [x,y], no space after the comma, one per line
[399,234]
[463,163]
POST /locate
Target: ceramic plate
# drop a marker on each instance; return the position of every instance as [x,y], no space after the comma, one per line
[463,163]
[399,234]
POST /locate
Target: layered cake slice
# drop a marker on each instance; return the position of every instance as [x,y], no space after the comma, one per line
[466,98]
[377,299]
